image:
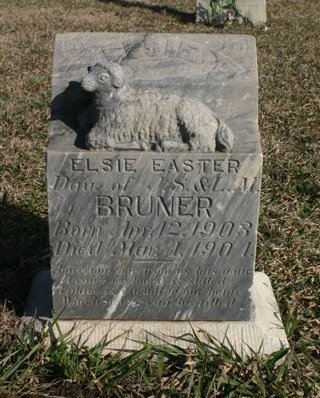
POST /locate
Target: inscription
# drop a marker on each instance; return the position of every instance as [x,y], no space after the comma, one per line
[66,183]
[66,228]
[87,275]
[209,248]
[74,240]
[200,249]
[220,184]
[89,270]
[148,47]
[87,165]
[64,248]
[201,185]
[200,229]
[156,165]
[157,206]
[198,165]
[237,272]
[153,238]
[223,302]
[133,249]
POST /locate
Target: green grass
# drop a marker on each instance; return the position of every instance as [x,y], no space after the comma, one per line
[207,370]
[288,242]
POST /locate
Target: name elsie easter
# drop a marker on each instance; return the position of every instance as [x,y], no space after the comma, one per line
[157,165]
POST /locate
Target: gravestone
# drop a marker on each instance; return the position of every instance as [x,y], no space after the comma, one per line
[154,173]
[157,233]
[253,10]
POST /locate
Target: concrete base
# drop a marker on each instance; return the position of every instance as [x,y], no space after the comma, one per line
[264,334]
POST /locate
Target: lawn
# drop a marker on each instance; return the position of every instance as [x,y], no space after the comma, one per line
[288,239]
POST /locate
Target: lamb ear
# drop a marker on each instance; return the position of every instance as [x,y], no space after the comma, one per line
[117,81]
[117,74]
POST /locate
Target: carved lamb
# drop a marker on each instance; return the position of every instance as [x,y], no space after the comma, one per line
[149,119]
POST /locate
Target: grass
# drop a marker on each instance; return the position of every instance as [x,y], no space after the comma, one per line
[67,368]
[288,244]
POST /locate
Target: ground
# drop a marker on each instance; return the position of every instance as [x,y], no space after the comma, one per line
[288,240]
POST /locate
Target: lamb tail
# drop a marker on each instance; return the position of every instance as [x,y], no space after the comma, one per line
[224,138]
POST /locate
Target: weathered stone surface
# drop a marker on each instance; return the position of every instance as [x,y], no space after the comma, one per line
[146,235]
[254,10]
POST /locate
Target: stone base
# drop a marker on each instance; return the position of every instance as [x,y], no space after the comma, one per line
[264,334]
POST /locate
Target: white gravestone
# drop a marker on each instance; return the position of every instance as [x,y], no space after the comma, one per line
[154,175]
[254,10]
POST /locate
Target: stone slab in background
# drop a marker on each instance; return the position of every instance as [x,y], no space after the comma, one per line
[155,236]
[254,10]
[264,334]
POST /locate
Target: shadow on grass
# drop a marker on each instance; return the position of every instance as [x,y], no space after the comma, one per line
[181,16]
[24,247]
[67,107]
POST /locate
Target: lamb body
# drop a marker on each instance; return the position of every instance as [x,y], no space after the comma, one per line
[149,119]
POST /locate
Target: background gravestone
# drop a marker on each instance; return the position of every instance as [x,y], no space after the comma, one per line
[254,10]
[154,235]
